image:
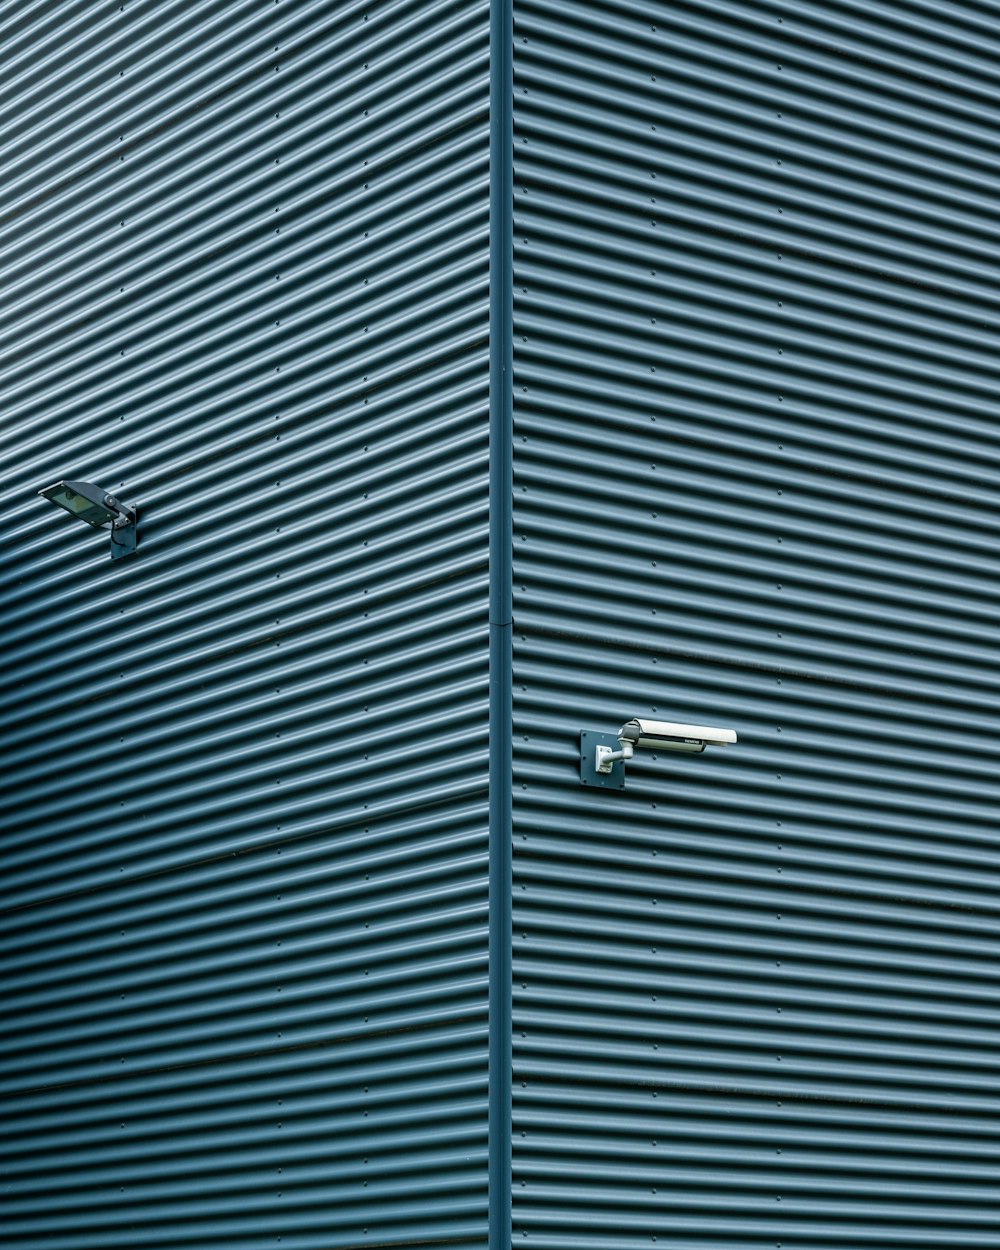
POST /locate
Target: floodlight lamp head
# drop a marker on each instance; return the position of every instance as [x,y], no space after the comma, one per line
[96,507]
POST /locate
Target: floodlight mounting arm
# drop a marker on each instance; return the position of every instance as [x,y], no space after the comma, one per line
[126,514]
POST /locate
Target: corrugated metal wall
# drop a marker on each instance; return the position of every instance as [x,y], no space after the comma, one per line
[244,271]
[757,475]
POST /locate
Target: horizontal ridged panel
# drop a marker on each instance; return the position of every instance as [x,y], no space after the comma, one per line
[244,922]
[756,478]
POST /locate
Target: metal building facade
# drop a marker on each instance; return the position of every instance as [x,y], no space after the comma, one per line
[566,360]
[245,280]
[756,483]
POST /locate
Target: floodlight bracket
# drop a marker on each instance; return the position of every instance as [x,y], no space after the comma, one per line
[124,531]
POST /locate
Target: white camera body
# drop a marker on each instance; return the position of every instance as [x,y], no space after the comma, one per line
[662,735]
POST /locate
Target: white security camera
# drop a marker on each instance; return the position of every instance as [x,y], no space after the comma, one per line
[654,735]
[662,735]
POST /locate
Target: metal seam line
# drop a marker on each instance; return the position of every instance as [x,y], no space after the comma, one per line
[500,590]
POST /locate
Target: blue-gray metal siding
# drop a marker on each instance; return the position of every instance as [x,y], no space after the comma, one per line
[756,484]
[501,632]
[244,261]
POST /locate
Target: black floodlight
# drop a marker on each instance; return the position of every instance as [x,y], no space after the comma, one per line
[96,507]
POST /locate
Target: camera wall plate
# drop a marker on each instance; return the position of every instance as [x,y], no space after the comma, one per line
[589,776]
